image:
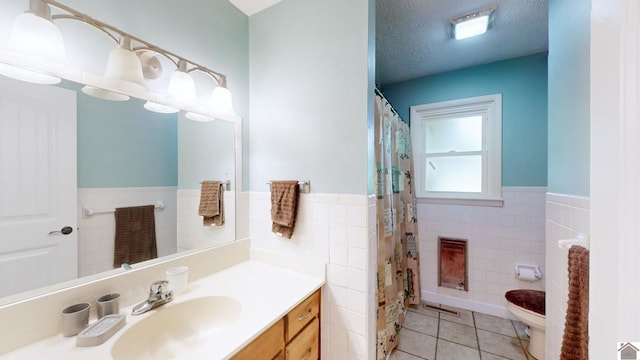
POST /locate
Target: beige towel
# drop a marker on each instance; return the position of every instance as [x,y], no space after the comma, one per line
[212,203]
[575,342]
[284,205]
[135,239]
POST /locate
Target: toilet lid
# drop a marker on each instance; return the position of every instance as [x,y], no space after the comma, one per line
[532,300]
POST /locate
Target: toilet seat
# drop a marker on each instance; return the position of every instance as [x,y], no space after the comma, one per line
[532,300]
[528,306]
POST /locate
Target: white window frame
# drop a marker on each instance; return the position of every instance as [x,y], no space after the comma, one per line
[490,107]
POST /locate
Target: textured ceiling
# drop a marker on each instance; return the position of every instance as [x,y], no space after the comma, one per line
[412,36]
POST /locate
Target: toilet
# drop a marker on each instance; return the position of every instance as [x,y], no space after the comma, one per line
[528,306]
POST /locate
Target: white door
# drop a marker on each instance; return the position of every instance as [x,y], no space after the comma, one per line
[38,197]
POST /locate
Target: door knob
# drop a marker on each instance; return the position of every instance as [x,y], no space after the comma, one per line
[64,231]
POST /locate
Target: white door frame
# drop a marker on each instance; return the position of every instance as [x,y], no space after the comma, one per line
[615,176]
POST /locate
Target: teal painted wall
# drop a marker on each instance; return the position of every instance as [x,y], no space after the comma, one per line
[214,157]
[569,82]
[523,84]
[310,95]
[120,144]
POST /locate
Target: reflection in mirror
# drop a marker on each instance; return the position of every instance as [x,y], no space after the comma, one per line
[126,156]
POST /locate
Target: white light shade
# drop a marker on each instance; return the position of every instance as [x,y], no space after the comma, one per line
[27,75]
[182,87]
[473,27]
[159,108]
[37,36]
[198,117]
[221,100]
[104,94]
[40,43]
[124,70]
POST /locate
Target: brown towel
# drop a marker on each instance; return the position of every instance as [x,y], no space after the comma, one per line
[575,342]
[284,204]
[212,203]
[135,239]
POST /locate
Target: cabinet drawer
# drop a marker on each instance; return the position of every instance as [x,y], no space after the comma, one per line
[266,346]
[301,315]
[305,345]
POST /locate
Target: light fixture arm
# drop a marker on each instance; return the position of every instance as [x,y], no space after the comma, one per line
[73,17]
[221,79]
[110,30]
[39,8]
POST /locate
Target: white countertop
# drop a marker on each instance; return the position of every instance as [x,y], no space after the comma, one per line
[265,292]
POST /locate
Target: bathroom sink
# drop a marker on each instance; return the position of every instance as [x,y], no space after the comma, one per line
[175,329]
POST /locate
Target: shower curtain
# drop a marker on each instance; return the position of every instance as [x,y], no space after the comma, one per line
[398,262]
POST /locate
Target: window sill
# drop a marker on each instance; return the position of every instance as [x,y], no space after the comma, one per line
[471,202]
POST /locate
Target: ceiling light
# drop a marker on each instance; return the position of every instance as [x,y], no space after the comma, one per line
[474,24]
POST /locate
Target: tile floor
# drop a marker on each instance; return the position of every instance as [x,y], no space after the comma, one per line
[438,335]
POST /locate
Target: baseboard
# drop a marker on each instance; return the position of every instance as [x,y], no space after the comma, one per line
[466,304]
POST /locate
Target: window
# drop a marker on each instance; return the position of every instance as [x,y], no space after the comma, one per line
[457,150]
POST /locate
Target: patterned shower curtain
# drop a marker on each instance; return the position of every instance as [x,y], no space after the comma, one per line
[398,263]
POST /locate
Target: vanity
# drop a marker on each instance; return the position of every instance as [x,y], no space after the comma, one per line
[295,336]
[256,306]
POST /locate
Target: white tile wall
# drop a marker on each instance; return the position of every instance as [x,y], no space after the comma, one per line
[498,237]
[96,233]
[336,230]
[567,216]
[191,233]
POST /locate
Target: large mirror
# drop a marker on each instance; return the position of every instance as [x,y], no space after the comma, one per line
[124,156]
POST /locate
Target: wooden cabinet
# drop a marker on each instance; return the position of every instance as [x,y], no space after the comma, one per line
[302,315]
[294,337]
[305,346]
[267,346]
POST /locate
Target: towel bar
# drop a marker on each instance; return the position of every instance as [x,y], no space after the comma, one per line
[305,186]
[581,239]
[88,211]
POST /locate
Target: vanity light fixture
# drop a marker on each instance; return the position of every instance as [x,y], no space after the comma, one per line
[476,23]
[36,53]
[39,43]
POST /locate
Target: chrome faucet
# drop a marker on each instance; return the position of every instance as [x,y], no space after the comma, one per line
[157,296]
